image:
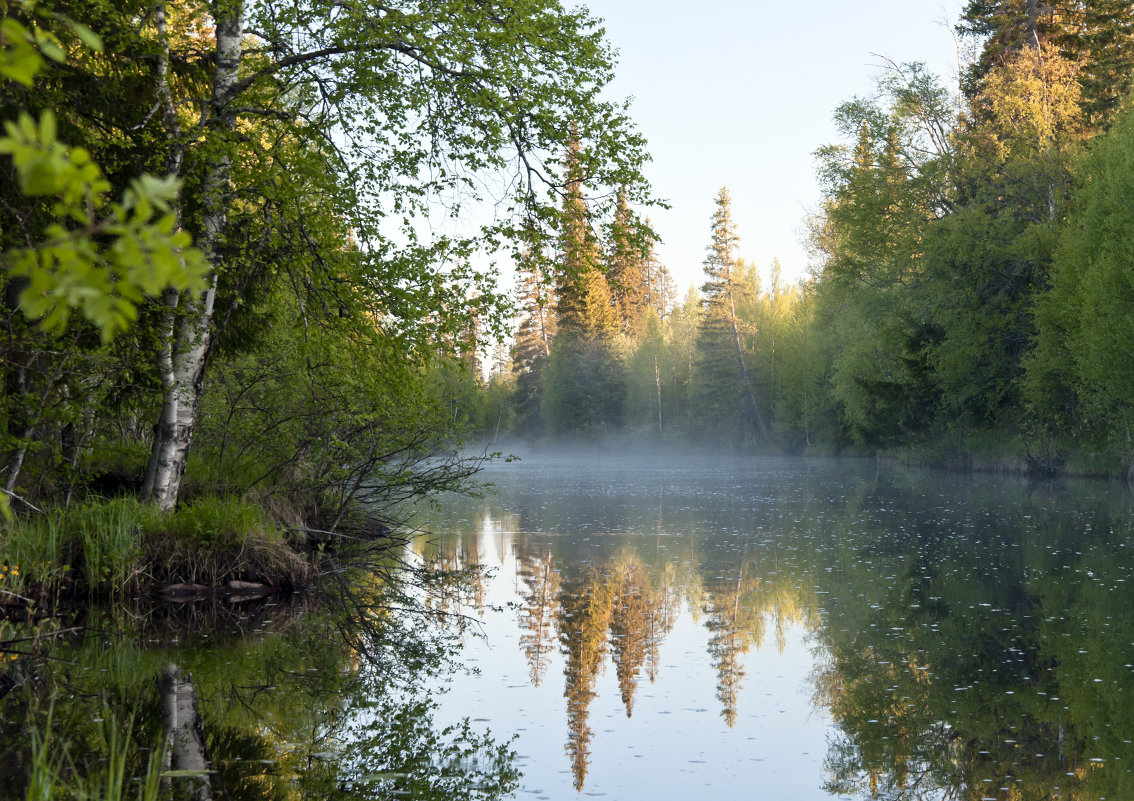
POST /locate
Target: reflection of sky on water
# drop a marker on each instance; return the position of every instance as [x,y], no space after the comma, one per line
[922,635]
[676,744]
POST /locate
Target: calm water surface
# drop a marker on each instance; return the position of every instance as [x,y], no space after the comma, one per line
[796,629]
[649,629]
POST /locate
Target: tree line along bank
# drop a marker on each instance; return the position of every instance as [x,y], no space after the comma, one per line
[971,289]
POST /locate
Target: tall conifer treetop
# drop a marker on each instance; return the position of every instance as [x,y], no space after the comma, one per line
[719,338]
[584,304]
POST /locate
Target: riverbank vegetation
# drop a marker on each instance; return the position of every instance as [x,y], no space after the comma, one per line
[237,258]
[969,298]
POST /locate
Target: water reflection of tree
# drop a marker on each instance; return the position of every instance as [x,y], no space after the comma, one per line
[539,582]
[739,604]
[616,606]
[665,603]
[586,611]
[290,708]
[971,656]
[734,624]
[451,564]
[630,626]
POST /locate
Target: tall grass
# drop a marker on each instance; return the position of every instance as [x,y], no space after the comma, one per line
[95,545]
[107,548]
[53,773]
[35,552]
[46,765]
[109,534]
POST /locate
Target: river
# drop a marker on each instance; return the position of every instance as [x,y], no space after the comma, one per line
[806,629]
[649,628]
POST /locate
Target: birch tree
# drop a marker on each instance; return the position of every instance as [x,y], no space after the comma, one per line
[412,108]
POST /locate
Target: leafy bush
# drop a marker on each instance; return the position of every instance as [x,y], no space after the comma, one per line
[212,522]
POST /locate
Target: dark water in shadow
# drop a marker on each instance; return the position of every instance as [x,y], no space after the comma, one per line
[320,697]
[797,629]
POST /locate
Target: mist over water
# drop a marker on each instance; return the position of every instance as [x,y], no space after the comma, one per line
[663,627]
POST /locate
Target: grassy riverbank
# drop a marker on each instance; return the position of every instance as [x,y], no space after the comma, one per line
[118,547]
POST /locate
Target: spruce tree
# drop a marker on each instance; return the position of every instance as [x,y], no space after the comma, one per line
[1105,43]
[532,345]
[626,271]
[1097,35]
[584,387]
[725,384]
[1006,27]
[660,293]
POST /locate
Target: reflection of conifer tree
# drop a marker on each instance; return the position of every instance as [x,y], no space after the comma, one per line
[537,616]
[631,616]
[787,611]
[735,622]
[585,612]
[664,607]
[458,581]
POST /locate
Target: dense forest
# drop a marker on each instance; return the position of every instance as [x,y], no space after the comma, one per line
[250,255]
[970,294]
[235,248]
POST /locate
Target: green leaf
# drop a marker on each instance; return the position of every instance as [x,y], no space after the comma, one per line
[88,37]
[50,48]
[19,60]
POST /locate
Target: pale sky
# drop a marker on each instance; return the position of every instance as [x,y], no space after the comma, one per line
[742,94]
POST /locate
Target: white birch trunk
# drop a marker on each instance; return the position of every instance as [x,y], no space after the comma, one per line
[184,732]
[190,319]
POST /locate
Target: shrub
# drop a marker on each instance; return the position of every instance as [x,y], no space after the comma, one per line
[214,540]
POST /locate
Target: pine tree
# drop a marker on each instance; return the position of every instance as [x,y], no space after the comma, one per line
[584,306]
[660,293]
[532,345]
[627,271]
[584,387]
[1097,35]
[644,377]
[1006,27]
[726,391]
[1105,45]
[677,364]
